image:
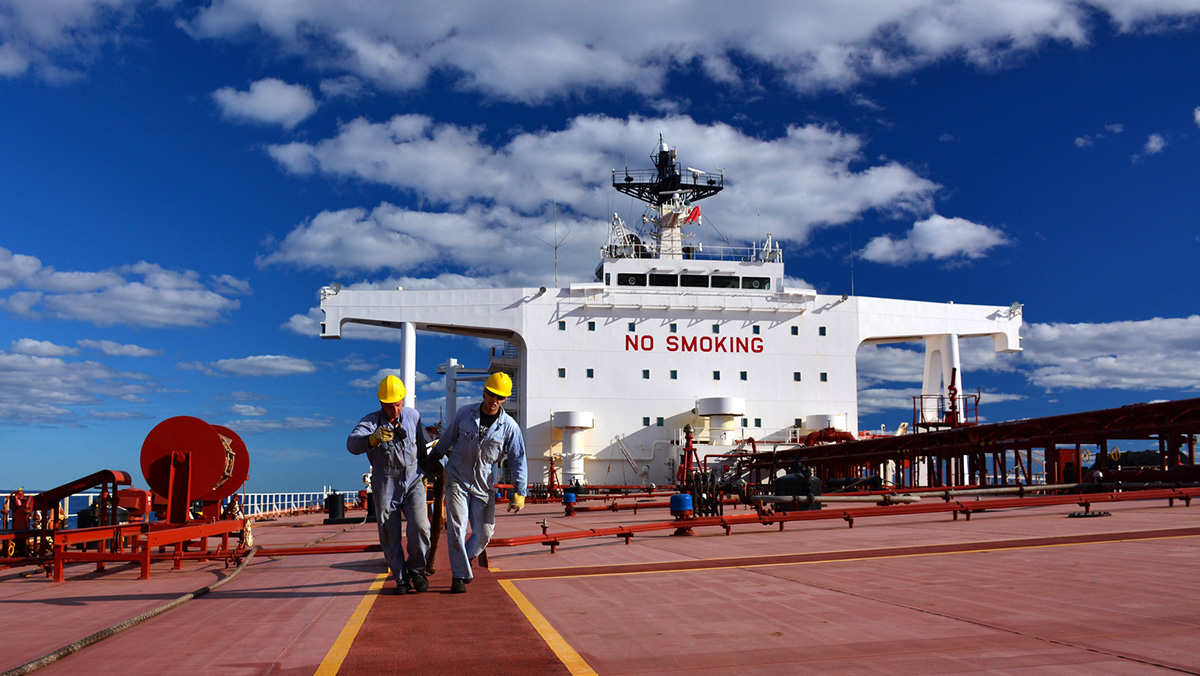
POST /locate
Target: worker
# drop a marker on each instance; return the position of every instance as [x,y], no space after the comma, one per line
[392,438]
[473,443]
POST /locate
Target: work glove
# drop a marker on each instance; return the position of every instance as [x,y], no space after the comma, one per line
[381,435]
[517,503]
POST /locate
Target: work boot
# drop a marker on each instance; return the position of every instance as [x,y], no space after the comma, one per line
[419,582]
[459,585]
[483,558]
[402,588]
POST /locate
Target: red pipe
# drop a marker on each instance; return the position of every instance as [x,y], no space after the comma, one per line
[966,508]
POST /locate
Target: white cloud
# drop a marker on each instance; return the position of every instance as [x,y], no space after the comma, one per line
[247,410]
[16,268]
[264,365]
[1196,115]
[268,101]
[530,52]
[937,238]
[1084,142]
[805,180]
[37,389]
[1133,355]
[260,425]
[115,349]
[143,294]
[41,348]
[1154,144]
[57,39]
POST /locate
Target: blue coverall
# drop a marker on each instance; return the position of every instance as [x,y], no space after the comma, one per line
[398,486]
[471,454]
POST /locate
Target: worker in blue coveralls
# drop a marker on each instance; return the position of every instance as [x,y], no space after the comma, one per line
[392,438]
[472,444]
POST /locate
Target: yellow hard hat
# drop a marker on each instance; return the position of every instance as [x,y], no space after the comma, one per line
[391,390]
[499,384]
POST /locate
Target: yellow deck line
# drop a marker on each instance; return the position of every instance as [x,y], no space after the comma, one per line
[341,646]
[573,661]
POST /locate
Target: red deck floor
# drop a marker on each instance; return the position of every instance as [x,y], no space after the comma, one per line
[1013,592]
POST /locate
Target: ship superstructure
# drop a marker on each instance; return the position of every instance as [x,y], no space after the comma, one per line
[672,333]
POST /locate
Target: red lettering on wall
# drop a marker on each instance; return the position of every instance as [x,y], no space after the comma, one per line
[631,341]
[689,345]
[741,345]
[756,345]
[647,343]
[706,344]
[672,343]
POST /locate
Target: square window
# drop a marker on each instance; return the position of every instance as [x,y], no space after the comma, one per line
[716,375]
[646,421]
[797,423]
[659,422]
[674,375]
[645,374]
[591,373]
[716,328]
[795,330]
[745,422]
[673,328]
[608,279]
[758,422]
[754,329]
[562,326]
[824,377]
[744,375]
[632,327]
[796,376]
[821,331]
[591,326]
[562,373]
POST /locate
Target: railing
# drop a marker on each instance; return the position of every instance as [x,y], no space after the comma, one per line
[253,504]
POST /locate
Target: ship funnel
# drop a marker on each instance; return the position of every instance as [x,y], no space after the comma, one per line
[722,413]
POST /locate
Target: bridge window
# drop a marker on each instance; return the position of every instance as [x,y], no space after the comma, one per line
[756,283]
[630,279]
[663,280]
[723,282]
[695,281]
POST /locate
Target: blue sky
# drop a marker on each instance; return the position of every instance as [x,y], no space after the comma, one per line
[178,179]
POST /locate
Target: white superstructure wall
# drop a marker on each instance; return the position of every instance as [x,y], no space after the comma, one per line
[639,359]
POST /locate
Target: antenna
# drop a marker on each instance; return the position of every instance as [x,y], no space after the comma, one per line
[557,242]
[850,229]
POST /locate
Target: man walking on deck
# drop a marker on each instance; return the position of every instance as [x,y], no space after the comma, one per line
[392,438]
[472,444]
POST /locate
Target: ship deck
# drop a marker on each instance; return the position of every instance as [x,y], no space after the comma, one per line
[1005,592]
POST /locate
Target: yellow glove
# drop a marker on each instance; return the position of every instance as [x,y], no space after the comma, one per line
[517,503]
[381,435]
